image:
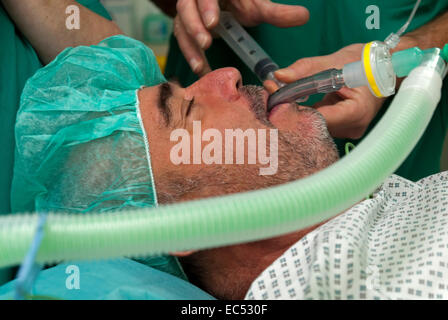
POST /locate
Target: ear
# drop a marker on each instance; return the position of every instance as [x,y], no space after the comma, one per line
[182,253]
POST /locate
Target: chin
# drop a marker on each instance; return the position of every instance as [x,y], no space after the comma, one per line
[304,121]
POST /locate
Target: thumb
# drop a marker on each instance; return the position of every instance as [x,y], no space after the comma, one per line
[303,68]
[270,86]
[337,117]
[282,15]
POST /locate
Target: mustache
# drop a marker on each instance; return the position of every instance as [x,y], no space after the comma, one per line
[255,95]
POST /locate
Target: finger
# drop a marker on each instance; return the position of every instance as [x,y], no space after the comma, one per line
[337,114]
[348,112]
[329,100]
[347,93]
[206,68]
[182,253]
[282,15]
[336,97]
[303,68]
[343,119]
[342,108]
[188,14]
[192,53]
[209,10]
[270,86]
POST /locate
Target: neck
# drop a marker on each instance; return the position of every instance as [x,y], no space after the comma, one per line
[228,272]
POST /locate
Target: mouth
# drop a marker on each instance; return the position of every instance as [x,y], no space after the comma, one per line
[278,108]
[284,106]
[273,110]
[258,99]
[270,112]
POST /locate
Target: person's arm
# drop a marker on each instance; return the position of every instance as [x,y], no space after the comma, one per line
[433,34]
[43,22]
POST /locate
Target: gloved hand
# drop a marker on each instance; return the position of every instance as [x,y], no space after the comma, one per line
[348,112]
[195,19]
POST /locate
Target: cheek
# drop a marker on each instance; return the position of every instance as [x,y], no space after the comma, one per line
[303,123]
[225,115]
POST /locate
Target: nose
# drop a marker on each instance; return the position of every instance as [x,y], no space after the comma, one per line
[222,82]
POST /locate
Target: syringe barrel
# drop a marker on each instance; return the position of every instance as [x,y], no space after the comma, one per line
[245,46]
[265,69]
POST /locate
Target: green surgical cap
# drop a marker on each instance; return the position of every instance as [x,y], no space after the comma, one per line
[80,141]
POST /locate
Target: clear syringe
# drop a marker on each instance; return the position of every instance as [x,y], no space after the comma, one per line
[246,48]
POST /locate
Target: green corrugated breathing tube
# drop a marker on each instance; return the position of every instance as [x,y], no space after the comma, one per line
[240,217]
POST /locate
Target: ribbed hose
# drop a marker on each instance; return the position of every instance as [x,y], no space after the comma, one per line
[240,217]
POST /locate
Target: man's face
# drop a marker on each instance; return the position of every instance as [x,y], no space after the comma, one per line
[219,101]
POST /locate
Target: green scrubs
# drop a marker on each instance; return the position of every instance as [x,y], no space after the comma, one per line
[335,24]
[18,62]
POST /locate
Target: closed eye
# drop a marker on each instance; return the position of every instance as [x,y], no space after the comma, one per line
[190,106]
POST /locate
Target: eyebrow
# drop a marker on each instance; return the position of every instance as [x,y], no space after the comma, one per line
[165,92]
